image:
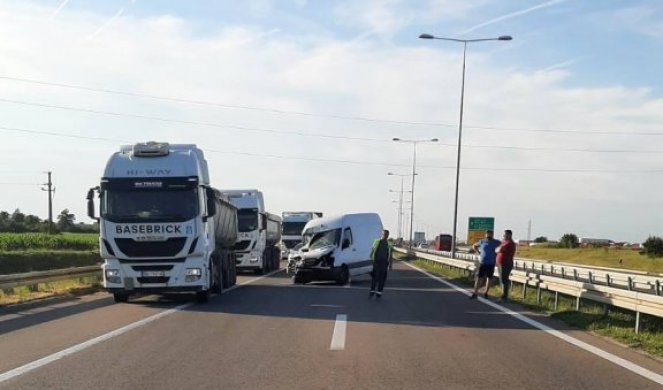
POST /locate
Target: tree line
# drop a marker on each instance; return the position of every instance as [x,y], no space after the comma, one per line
[18,222]
[652,247]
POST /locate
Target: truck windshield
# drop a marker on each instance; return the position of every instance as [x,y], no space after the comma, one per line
[293,228]
[247,220]
[143,206]
[326,238]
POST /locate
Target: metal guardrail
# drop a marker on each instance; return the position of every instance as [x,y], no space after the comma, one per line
[631,292]
[32,278]
[627,280]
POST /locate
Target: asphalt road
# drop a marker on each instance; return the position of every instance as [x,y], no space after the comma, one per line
[271,334]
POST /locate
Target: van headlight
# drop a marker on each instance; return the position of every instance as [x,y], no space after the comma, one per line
[254,259]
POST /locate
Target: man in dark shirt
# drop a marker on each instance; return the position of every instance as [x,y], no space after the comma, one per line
[505,253]
[381,256]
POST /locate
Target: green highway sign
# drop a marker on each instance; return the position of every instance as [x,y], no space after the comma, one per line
[482,223]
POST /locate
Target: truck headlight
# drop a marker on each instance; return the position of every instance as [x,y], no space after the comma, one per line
[254,259]
[192,274]
[113,276]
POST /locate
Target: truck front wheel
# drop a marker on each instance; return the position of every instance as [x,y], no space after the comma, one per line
[120,297]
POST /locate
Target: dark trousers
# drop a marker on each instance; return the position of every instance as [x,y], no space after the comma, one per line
[505,271]
[379,275]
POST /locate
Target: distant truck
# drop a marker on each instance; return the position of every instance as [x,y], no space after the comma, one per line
[419,237]
[337,247]
[259,232]
[443,242]
[163,228]
[293,226]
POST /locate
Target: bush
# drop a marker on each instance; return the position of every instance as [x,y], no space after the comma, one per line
[541,239]
[653,247]
[569,240]
[20,262]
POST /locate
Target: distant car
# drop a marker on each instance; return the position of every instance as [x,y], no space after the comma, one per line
[422,245]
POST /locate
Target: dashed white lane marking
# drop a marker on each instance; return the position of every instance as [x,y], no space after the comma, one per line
[7,375]
[571,340]
[338,338]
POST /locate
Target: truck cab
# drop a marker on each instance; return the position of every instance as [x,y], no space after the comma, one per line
[156,214]
[259,232]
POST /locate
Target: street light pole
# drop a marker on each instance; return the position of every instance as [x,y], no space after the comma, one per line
[400,202]
[414,173]
[460,122]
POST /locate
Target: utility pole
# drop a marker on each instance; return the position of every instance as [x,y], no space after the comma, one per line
[50,189]
[529,230]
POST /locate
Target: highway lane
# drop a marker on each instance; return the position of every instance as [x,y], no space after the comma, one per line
[274,335]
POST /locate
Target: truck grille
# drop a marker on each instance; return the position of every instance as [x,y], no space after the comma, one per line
[168,248]
[140,268]
[241,245]
[153,279]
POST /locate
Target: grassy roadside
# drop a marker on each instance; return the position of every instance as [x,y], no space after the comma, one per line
[70,287]
[598,257]
[44,260]
[617,324]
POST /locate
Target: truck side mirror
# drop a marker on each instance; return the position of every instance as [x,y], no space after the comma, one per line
[90,203]
[211,202]
[346,243]
[263,221]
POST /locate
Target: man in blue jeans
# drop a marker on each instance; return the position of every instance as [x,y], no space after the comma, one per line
[486,249]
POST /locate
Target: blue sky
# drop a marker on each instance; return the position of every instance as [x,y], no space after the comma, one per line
[573,65]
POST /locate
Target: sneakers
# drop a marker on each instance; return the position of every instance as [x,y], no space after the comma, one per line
[473,296]
[379,295]
[370,294]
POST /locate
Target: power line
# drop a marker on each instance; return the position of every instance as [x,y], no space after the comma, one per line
[19,184]
[220,105]
[331,116]
[327,136]
[188,122]
[354,162]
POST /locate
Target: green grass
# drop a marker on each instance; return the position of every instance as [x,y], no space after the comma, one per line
[617,324]
[14,242]
[600,257]
[28,261]
[69,287]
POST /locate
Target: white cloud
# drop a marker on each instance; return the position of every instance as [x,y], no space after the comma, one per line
[644,20]
[160,56]
[512,15]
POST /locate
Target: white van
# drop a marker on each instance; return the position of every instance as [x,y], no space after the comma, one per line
[337,247]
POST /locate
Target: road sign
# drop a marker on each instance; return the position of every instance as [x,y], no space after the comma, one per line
[477,228]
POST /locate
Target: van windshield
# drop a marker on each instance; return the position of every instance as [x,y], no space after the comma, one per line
[326,238]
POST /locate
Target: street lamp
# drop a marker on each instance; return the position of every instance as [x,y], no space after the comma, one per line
[460,123]
[400,204]
[414,143]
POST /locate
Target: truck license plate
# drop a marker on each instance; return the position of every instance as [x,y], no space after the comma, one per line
[152,274]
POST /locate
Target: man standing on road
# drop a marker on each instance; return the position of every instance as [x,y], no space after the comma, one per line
[505,253]
[381,256]
[486,249]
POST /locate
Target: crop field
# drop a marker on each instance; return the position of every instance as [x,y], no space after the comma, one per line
[599,257]
[16,242]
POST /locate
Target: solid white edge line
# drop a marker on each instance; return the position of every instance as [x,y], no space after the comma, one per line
[13,373]
[338,337]
[571,340]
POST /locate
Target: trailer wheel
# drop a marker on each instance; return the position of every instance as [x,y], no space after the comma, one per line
[217,276]
[277,258]
[120,297]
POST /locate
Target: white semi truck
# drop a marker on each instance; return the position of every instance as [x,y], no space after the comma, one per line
[293,226]
[163,228]
[259,232]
